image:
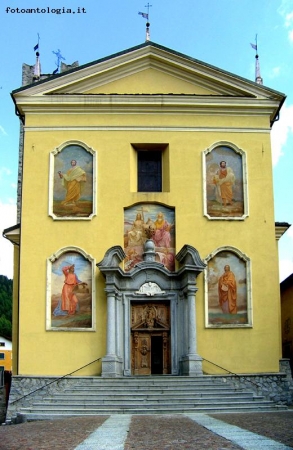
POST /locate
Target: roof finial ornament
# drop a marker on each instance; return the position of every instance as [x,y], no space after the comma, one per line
[146,16]
[59,57]
[258,78]
[37,66]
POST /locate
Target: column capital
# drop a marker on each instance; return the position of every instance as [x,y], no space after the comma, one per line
[111,291]
[190,290]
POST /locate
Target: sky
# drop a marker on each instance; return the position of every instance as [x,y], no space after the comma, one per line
[217,32]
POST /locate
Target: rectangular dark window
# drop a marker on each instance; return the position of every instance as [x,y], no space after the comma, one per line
[2,356]
[2,344]
[149,175]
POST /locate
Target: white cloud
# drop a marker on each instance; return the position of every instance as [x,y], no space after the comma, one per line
[7,219]
[4,171]
[289,234]
[285,10]
[289,20]
[275,72]
[286,263]
[3,132]
[285,268]
[281,131]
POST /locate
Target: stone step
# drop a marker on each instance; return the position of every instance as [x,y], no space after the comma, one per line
[42,413]
[149,382]
[147,403]
[145,395]
[149,396]
[169,389]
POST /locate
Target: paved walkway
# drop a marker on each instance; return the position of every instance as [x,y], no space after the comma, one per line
[111,435]
[250,431]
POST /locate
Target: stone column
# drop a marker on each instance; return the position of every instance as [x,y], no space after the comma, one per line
[111,324]
[111,363]
[192,345]
[126,336]
[191,363]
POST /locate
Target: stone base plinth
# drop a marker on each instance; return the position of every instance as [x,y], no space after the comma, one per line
[191,365]
[112,366]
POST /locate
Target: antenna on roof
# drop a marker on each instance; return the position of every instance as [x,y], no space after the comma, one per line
[146,16]
[37,66]
[258,78]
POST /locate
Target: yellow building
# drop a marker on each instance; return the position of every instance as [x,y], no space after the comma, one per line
[147,233]
[5,354]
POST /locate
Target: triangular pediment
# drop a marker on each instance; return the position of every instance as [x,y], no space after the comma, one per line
[148,69]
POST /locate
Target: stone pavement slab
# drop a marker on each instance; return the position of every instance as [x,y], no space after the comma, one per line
[245,439]
[274,425]
[111,435]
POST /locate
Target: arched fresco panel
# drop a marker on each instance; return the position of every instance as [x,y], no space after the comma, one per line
[72,181]
[70,305]
[225,195]
[227,289]
[149,221]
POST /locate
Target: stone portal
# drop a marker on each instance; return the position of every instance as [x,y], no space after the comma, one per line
[151,315]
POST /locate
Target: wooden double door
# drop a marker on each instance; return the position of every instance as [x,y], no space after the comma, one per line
[150,338]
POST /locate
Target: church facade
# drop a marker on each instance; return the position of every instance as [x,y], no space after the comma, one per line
[147,241]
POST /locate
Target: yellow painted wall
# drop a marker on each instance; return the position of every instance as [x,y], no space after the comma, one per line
[250,350]
[143,81]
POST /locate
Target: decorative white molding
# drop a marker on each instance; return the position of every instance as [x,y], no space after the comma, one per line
[147,128]
[150,289]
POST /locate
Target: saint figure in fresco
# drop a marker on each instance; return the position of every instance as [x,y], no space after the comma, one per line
[161,235]
[149,221]
[136,236]
[224,180]
[227,289]
[73,181]
[69,302]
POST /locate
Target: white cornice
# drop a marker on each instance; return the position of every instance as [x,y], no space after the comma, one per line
[280,229]
[145,104]
[13,234]
[147,128]
[143,100]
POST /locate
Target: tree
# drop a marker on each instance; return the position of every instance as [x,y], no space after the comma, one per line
[5,306]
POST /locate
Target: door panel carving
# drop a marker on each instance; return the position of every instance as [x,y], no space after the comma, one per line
[150,331]
[142,354]
[150,315]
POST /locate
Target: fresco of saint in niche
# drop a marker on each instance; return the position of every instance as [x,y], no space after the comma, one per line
[71,288]
[224,183]
[149,221]
[227,290]
[73,182]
